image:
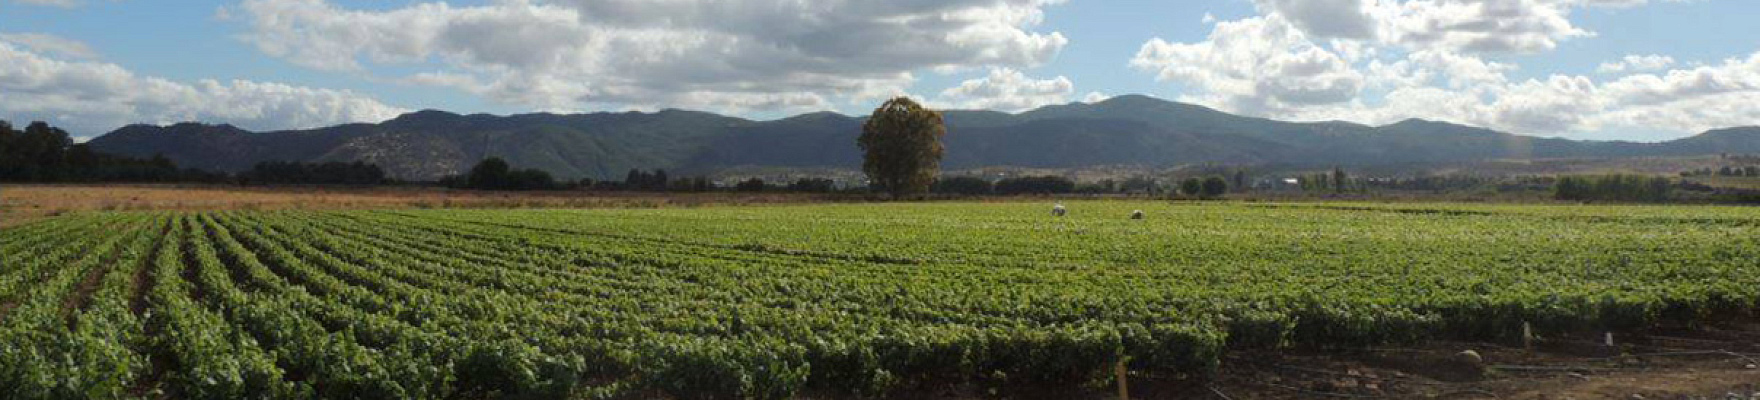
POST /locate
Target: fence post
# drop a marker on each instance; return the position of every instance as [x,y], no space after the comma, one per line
[1124,392]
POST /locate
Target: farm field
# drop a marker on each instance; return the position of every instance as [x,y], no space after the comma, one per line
[842,299]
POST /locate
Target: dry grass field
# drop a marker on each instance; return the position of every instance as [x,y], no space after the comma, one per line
[24,203]
[1729,182]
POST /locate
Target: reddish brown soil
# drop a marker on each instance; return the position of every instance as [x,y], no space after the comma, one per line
[1717,362]
[82,294]
[20,204]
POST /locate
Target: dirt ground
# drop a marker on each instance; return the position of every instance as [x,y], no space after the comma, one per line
[1717,362]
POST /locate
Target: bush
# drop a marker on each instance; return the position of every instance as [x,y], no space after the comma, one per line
[340,173]
[1191,187]
[750,185]
[1214,187]
[1035,185]
[963,185]
[494,173]
[812,185]
[1615,187]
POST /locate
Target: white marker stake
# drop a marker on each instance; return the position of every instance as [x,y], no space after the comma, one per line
[1527,336]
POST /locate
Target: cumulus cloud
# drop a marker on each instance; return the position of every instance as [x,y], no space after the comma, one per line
[1254,65]
[1636,63]
[1325,18]
[1682,101]
[1427,59]
[1006,89]
[750,54]
[1700,98]
[1442,68]
[1474,26]
[90,98]
[1521,26]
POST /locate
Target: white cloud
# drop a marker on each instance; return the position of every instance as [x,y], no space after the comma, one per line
[1558,104]
[1454,70]
[1521,26]
[1636,63]
[1254,65]
[1473,26]
[728,55]
[1007,89]
[1425,61]
[46,43]
[90,98]
[1704,97]
[1683,102]
[1325,18]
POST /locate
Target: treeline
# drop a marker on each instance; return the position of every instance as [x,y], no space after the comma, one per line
[41,153]
[1464,183]
[1338,181]
[1211,187]
[643,180]
[1026,185]
[1614,187]
[493,173]
[1749,171]
[1207,188]
[330,173]
[651,181]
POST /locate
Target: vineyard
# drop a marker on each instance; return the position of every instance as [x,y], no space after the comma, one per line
[777,301]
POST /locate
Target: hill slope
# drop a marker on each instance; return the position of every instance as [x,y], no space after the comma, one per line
[1125,130]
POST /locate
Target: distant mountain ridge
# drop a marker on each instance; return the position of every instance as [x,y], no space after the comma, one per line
[1124,130]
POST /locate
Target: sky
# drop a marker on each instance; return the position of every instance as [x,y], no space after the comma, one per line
[1641,70]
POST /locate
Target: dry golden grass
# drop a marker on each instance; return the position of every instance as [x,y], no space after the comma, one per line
[1730,182]
[24,203]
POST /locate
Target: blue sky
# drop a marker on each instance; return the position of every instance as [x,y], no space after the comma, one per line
[1592,69]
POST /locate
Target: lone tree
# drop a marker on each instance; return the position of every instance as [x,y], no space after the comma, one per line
[491,173]
[902,148]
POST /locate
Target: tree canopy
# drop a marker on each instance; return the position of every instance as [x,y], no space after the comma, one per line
[901,145]
[1214,187]
[334,172]
[42,153]
[1614,187]
[493,173]
[1035,185]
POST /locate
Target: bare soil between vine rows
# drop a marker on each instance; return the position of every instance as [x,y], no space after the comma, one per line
[1714,361]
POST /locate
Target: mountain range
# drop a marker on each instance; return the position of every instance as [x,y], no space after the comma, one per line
[1123,130]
